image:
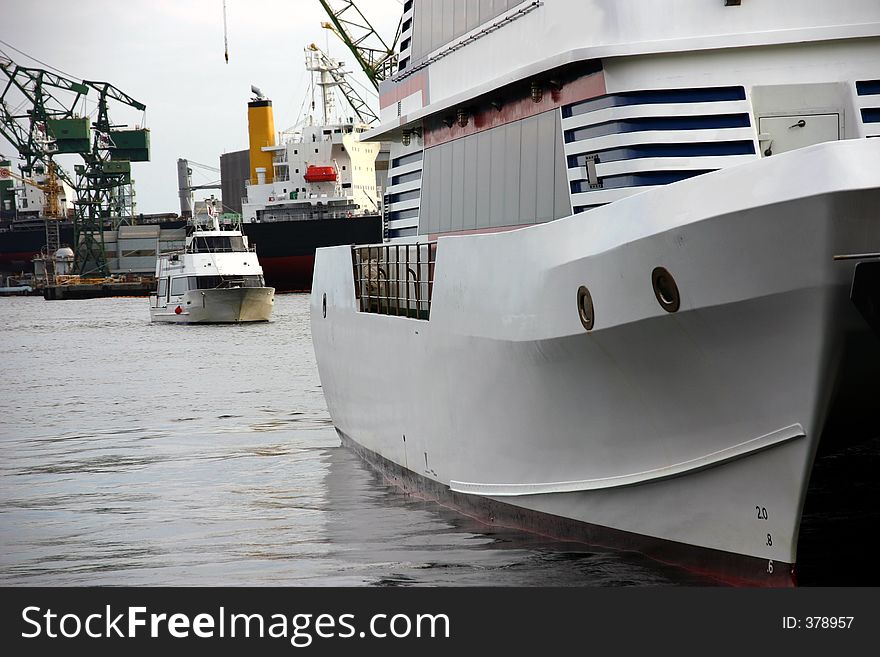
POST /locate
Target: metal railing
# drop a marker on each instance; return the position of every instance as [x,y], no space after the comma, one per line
[395,279]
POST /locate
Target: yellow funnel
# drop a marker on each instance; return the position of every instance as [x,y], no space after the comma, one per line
[261,132]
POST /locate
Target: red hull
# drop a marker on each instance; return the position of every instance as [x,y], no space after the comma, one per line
[289,273]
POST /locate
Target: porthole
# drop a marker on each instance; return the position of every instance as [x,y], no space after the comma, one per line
[324,305]
[665,289]
[585,307]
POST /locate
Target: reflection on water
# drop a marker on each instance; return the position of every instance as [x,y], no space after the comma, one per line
[161,454]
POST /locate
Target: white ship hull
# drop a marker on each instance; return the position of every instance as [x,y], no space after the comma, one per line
[697,428]
[219,306]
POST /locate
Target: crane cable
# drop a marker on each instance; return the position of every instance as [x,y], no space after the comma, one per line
[225,38]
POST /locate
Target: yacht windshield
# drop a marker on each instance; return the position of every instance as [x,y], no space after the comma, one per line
[217,244]
[214,282]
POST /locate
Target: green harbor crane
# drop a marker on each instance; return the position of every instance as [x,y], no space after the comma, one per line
[375,56]
[38,117]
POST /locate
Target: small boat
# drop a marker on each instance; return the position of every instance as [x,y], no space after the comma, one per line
[215,279]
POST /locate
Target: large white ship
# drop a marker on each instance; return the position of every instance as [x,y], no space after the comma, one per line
[633,271]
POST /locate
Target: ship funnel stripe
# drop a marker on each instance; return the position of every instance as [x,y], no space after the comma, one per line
[705,122]
[403,196]
[868,100]
[645,138]
[406,159]
[655,96]
[695,149]
[642,179]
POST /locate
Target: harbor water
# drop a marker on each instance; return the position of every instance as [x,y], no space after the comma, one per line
[155,454]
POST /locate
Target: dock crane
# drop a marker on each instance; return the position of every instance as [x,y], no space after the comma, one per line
[375,56]
[104,180]
[48,97]
[51,188]
[49,125]
[53,212]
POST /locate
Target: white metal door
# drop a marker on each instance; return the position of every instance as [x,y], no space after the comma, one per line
[787,133]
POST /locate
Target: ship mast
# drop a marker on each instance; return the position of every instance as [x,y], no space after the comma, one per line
[321,69]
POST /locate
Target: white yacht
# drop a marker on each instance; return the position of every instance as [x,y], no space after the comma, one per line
[215,279]
[633,272]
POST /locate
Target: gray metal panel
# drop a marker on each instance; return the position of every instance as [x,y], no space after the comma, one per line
[486,10]
[437,22]
[448,32]
[428,208]
[513,144]
[135,232]
[472,19]
[484,179]
[562,201]
[528,171]
[546,172]
[144,264]
[456,189]
[498,153]
[435,28]
[459,20]
[445,178]
[469,215]
[234,171]
[138,244]
[421,9]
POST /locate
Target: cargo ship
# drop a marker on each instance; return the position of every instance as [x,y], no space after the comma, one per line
[317,188]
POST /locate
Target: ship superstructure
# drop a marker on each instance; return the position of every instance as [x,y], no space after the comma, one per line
[633,269]
[314,186]
[323,170]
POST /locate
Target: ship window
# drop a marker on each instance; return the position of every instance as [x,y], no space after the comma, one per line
[297,170]
[217,244]
[406,177]
[219,282]
[163,287]
[295,152]
[346,185]
[179,285]
[316,150]
[343,167]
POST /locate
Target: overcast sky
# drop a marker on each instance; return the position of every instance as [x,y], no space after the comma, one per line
[168,54]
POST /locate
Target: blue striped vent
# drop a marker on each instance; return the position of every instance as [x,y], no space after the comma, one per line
[403,196]
[868,92]
[868,87]
[619,144]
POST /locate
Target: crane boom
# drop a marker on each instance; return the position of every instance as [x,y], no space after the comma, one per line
[27,131]
[377,58]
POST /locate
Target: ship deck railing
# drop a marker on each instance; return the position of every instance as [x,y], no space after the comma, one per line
[395,279]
